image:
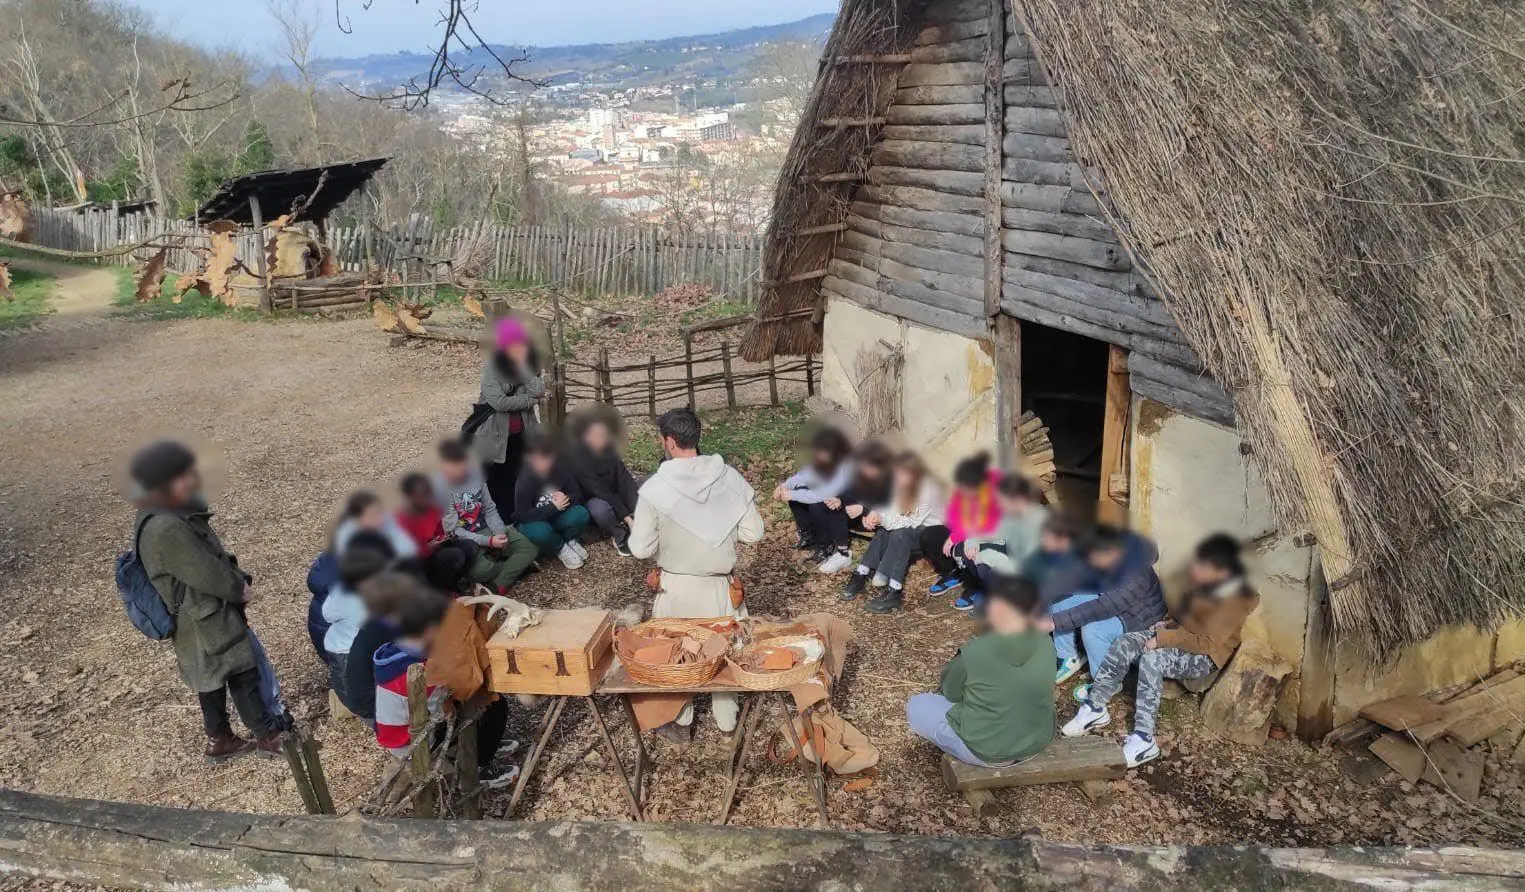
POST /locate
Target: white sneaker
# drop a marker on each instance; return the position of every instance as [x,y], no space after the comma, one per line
[836,563]
[578,547]
[1067,669]
[569,557]
[1085,720]
[1081,693]
[1138,749]
[879,580]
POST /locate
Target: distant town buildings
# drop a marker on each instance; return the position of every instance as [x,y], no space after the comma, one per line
[637,162]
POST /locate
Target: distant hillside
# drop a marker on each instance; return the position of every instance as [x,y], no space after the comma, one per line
[630,64]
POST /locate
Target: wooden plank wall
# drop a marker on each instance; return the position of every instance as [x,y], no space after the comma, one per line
[914,243]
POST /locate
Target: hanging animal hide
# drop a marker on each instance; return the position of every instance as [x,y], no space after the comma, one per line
[151,277]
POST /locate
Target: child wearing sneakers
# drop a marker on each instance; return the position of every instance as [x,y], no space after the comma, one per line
[547,507]
[915,504]
[1211,618]
[1117,593]
[501,554]
[810,493]
[974,513]
[995,706]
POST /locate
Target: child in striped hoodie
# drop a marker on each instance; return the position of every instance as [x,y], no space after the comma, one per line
[418,624]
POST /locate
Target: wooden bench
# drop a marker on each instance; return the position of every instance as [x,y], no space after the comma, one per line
[1081,760]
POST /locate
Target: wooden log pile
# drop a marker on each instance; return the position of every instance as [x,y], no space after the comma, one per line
[1443,739]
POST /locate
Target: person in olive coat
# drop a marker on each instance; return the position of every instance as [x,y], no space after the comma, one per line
[206,592]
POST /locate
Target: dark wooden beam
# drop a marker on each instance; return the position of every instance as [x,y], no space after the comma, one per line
[127,846]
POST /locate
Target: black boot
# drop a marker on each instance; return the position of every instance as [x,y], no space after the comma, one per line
[854,587]
[888,602]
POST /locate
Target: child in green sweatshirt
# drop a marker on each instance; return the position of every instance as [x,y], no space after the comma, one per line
[996,703]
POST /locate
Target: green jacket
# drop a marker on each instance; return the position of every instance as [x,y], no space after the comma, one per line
[1002,688]
[204,589]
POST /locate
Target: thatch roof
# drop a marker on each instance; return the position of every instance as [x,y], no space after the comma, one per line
[1331,198]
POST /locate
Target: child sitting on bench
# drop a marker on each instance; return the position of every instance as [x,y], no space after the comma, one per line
[996,703]
[1212,615]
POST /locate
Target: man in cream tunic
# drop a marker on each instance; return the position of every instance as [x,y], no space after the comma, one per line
[690,515]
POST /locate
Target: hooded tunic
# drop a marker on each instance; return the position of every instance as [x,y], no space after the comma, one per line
[690,515]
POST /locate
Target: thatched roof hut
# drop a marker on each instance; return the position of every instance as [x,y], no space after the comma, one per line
[1320,205]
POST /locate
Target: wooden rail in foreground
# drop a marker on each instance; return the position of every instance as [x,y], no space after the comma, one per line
[122,845]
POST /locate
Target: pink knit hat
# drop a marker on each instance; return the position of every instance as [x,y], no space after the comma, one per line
[510,332]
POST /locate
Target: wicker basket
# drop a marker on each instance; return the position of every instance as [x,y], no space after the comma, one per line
[782,678]
[671,675]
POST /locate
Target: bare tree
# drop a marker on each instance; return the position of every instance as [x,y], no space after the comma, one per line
[461,57]
[298,21]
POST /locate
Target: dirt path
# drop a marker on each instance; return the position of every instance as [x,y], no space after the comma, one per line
[80,290]
[292,416]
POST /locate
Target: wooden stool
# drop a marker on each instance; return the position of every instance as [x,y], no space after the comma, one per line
[1066,760]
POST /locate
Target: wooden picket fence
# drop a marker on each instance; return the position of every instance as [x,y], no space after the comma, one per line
[588,260]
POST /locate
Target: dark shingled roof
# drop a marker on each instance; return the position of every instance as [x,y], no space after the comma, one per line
[279,191]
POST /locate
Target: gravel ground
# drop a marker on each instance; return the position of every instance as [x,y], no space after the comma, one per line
[292,416]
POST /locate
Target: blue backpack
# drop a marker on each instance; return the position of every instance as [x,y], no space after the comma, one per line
[146,610]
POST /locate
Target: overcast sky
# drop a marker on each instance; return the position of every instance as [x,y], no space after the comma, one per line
[393,25]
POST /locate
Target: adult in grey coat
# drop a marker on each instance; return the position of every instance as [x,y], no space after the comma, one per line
[512,385]
[206,592]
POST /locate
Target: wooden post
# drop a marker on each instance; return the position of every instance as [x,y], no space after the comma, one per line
[1007,332]
[688,365]
[809,375]
[605,377]
[730,383]
[259,255]
[1114,436]
[467,771]
[315,775]
[418,721]
[293,752]
[1003,331]
[772,379]
[651,387]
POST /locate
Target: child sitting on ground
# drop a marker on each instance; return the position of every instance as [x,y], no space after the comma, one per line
[996,701]
[546,508]
[366,554]
[418,620]
[605,480]
[502,552]
[916,503]
[364,511]
[1016,537]
[421,516]
[974,512]
[811,490]
[1118,593]
[383,594]
[1212,616]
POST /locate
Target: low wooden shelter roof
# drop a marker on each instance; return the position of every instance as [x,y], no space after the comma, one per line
[313,192]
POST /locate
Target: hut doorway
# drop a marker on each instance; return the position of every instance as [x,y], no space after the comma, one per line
[1065,383]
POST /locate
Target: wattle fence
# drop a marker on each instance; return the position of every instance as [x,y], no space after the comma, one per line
[589,260]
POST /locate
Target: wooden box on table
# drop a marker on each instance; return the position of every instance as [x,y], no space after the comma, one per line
[567,653]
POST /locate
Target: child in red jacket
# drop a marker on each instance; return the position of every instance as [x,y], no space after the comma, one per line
[421,516]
